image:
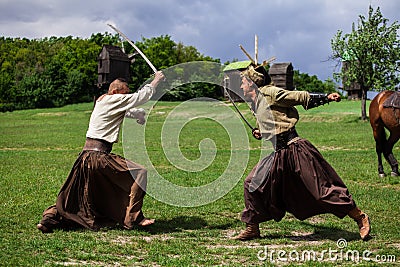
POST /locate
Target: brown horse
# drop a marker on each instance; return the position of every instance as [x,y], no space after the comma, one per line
[384,112]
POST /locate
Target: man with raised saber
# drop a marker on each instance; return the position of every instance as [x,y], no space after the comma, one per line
[102,188]
[295,178]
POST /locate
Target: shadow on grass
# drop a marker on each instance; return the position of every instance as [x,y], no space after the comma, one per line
[176,224]
[182,223]
[187,223]
[320,233]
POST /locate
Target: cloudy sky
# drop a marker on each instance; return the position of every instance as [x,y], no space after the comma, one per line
[297,31]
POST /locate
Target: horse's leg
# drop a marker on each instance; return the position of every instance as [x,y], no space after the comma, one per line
[393,138]
[380,140]
[378,128]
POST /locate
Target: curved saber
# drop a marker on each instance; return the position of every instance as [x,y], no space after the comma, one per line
[134,46]
[237,109]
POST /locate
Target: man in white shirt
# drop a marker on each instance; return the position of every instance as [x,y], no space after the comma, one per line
[104,189]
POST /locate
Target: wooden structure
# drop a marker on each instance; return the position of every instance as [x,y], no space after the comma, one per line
[112,63]
[232,79]
[282,75]
[354,90]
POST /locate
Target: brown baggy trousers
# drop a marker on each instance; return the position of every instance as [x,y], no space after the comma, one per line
[295,179]
[102,189]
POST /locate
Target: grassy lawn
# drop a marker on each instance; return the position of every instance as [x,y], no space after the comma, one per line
[38,148]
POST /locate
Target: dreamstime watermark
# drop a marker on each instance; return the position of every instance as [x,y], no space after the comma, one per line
[171,129]
[339,254]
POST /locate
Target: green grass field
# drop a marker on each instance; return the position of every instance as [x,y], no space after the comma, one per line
[38,148]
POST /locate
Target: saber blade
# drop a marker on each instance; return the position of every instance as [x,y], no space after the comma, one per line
[135,47]
[237,109]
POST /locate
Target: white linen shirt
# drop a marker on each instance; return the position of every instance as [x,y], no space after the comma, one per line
[108,113]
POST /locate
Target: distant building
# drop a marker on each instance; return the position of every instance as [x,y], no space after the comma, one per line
[113,63]
[281,76]
[232,79]
[354,89]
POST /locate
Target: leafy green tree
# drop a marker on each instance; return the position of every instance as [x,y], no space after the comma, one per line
[163,52]
[159,50]
[71,90]
[80,56]
[34,91]
[56,71]
[304,81]
[6,92]
[372,55]
[101,39]
[57,63]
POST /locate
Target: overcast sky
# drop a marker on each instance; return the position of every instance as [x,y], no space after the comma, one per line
[297,31]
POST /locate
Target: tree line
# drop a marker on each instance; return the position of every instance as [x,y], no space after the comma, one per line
[56,71]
